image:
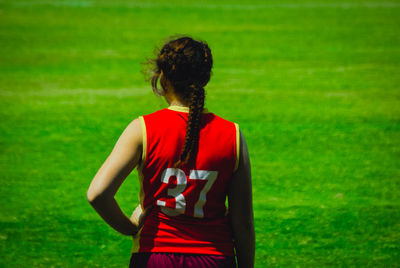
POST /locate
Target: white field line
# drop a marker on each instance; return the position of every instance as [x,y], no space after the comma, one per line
[304,70]
[119,93]
[284,94]
[307,5]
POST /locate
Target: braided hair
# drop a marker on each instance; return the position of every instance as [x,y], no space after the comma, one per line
[186,63]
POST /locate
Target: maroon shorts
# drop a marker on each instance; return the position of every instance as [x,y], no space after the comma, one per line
[174,260]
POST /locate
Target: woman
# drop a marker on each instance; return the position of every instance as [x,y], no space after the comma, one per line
[188,161]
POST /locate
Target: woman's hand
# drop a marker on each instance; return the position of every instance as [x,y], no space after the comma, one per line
[139,216]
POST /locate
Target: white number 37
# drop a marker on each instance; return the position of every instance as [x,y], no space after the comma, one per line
[181,183]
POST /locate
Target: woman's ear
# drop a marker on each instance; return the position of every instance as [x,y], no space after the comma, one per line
[163,83]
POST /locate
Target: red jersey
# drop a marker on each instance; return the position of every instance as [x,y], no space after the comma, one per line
[189,214]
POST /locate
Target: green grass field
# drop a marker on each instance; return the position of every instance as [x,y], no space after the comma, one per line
[314,85]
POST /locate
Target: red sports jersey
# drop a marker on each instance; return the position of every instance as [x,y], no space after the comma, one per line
[189,214]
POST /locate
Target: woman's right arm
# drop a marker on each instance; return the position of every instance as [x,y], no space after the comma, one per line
[241,209]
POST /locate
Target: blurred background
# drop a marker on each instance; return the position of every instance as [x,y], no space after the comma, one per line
[313,84]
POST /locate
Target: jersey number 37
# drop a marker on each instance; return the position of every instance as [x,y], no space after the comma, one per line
[181,185]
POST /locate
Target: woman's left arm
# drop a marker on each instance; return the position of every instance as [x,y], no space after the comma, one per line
[123,159]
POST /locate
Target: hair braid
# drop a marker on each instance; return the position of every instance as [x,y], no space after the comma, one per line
[196,106]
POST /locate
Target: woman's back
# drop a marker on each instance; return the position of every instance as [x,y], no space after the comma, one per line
[190,198]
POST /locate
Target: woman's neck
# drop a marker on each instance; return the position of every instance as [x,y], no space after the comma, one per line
[178,103]
[169,93]
[174,100]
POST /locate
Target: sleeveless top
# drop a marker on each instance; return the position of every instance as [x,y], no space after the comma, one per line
[189,214]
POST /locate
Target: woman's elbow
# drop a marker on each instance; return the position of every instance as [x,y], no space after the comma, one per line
[94,196]
[91,196]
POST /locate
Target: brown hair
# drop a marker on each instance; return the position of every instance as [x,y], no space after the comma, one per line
[186,63]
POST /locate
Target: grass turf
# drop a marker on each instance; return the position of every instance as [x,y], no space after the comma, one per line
[314,86]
